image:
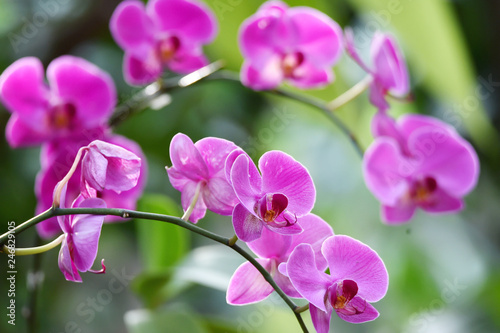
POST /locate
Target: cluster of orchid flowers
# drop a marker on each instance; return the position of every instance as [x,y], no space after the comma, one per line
[415,161]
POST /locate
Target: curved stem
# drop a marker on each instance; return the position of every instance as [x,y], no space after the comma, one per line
[35,250]
[301,309]
[125,213]
[27,224]
[304,99]
[350,94]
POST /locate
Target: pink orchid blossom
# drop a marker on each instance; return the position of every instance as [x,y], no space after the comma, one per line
[108,166]
[79,246]
[247,285]
[418,161]
[57,158]
[78,96]
[357,278]
[274,200]
[198,169]
[299,45]
[389,72]
[162,34]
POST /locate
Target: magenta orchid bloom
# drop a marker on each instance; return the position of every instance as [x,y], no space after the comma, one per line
[163,34]
[79,246]
[389,72]
[418,161]
[247,285]
[108,166]
[78,96]
[57,158]
[198,169]
[357,278]
[274,200]
[298,44]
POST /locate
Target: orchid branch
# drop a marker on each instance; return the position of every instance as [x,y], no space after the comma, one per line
[125,213]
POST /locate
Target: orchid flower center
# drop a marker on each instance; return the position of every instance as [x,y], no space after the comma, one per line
[423,189]
[291,62]
[168,47]
[62,116]
[270,207]
[344,293]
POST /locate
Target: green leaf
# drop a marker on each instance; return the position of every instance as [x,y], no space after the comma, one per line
[162,245]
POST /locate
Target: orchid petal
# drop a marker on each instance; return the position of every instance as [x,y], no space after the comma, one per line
[366,311]
[384,170]
[86,232]
[448,158]
[219,196]
[246,226]
[187,196]
[309,282]
[400,213]
[442,202]
[20,134]
[316,230]
[186,159]
[269,76]
[140,72]
[241,179]
[320,318]
[66,265]
[84,85]
[215,152]
[190,20]
[318,36]
[132,29]
[308,76]
[282,174]
[350,259]
[247,285]
[23,91]
[271,244]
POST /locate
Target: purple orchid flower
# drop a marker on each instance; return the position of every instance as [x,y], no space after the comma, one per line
[108,166]
[357,278]
[247,285]
[298,44]
[389,72]
[418,161]
[163,34]
[56,160]
[79,96]
[199,168]
[79,246]
[275,200]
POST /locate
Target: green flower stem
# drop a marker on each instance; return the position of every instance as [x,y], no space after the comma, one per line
[301,309]
[35,250]
[233,240]
[350,94]
[125,213]
[301,98]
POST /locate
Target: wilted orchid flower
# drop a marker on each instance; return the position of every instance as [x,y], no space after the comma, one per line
[198,171]
[275,200]
[389,72]
[78,96]
[108,166]
[357,278]
[162,34]
[418,161]
[247,284]
[79,246]
[57,159]
[299,45]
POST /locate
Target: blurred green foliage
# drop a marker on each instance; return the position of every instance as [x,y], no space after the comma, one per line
[443,269]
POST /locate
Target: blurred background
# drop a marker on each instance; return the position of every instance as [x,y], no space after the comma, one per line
[444,270]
